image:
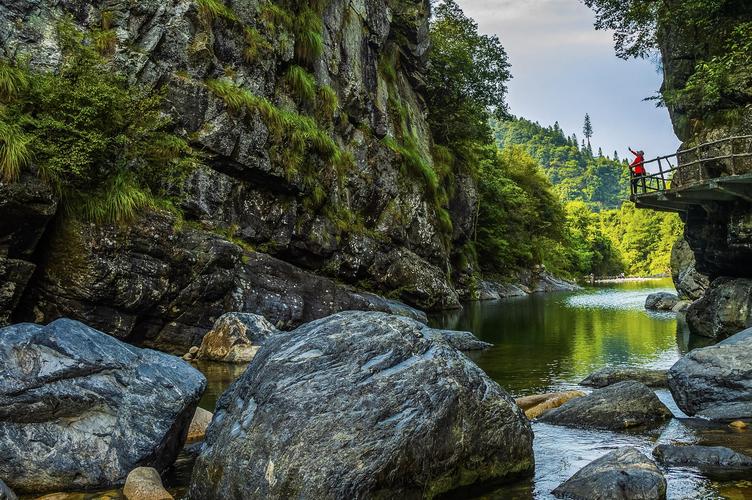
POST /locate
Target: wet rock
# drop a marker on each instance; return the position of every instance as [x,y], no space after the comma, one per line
[144,483]
[80,409]
[612,374]
[235,338]
[715,382]
[621,474]
[199,424]
[26,208]
[682,306]
[661,301]
[690,284]
[464,341]
[491,290]
[726,308]
[618,406]
[715,461]
[377,405]
[6,493]
[553,402]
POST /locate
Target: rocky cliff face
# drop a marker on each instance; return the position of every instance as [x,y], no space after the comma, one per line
[719,232]
[261,232]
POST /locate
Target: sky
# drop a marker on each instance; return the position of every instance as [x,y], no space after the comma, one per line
[563,68]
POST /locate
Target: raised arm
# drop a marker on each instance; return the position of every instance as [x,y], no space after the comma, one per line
[632,151]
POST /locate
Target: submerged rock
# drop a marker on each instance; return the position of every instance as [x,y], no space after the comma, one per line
[716,381]
[716,461]
[360,404]
[622,474]
[144,483]
[612,374]
[235,338]
[725,309]
[661,301]
[80,409]
[619,406]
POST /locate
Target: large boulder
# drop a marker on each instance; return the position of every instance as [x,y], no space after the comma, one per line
[612,374]
[716,381]
[618,406]
[360,404]
[235,338]
[715,461]
[690,284]
[725,309]
[80,409]
[661,301]
[621,474]
[464,341]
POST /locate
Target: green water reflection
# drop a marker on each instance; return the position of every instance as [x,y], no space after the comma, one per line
[551,341]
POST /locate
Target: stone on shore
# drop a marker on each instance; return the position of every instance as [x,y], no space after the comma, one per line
[235,338]
[355,405]
[682,306]
[144,483]
[621,474]
[712,460]
[199,424]
[80,409]
[715,382]
[690,284]
[618,406]
[661,301]
[555,401]
[612,374]
[6,493]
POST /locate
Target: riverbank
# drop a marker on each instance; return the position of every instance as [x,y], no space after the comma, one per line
[635,279]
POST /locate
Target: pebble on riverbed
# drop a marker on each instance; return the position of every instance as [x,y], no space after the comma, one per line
[609,375]
[197,430]
[555,400]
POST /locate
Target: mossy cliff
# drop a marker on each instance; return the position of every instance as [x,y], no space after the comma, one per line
[708,91]
[317,169]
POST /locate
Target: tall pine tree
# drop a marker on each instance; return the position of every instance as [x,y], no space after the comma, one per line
[587,129]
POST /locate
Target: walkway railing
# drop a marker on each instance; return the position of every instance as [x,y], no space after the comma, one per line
[712,159]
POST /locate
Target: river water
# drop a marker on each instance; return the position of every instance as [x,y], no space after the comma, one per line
[549,342]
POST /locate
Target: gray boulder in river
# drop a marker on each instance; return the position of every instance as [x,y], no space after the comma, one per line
[612,374]
[80,409]
[661,301]
[726,308]
[622,474]
[360,404]
[618,406]
[716,461]
[716,381]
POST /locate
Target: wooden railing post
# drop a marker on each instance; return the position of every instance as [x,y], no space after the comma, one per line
[733,159]
[662,180]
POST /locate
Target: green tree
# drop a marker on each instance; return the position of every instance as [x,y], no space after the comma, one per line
[587,129]
[466,81]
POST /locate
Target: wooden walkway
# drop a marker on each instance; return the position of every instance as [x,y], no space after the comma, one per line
[717,171]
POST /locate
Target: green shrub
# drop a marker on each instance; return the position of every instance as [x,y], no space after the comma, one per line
[309,39]
[103,144]
[255,45]
[327,101]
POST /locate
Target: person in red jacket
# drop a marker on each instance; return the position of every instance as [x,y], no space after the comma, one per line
[637,168]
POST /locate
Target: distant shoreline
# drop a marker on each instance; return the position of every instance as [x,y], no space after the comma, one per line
[622,280]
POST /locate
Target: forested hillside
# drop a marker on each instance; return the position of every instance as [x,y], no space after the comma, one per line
[596,230]
[576,172]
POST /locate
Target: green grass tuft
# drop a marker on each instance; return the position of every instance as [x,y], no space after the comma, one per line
[301,83]
[119,201]
[309,40]
[255,45]
[15,151]
[13,81]
[328,103]
[212,9]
